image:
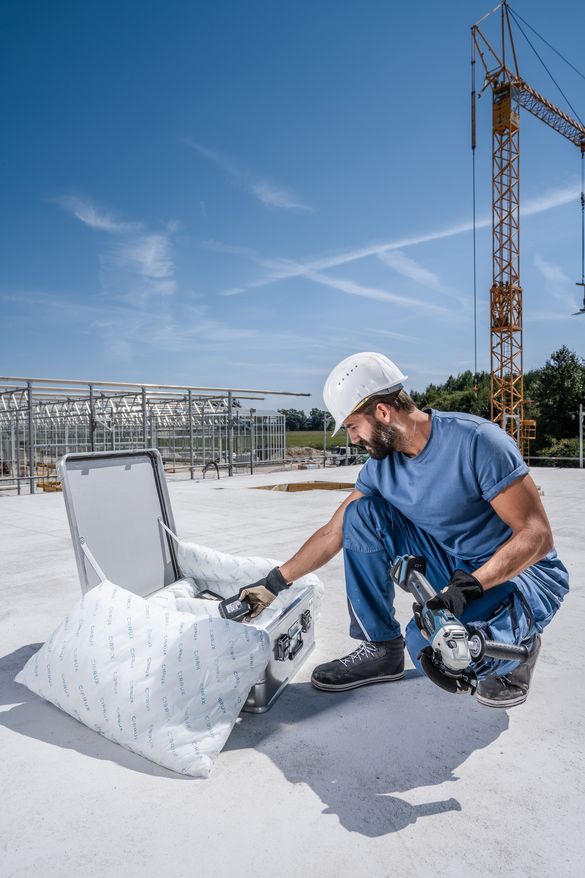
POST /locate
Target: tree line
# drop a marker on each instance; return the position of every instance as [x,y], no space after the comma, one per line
[553,394]
[299,420]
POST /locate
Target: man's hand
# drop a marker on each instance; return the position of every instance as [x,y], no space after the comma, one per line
[460,590]
[261,594]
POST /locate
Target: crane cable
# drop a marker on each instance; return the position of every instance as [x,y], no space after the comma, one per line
[515,16]
[473,144]
[540,37]
[520,28]
[583,223]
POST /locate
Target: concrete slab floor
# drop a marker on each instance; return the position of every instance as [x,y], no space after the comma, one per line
[398,778]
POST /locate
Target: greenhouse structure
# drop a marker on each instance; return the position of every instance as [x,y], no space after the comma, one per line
[195,428]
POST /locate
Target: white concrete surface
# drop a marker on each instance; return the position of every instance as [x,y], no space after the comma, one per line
[391,779]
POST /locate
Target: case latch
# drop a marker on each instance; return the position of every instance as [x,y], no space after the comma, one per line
[290,644]
[296,648]
[306,621]
[281,648]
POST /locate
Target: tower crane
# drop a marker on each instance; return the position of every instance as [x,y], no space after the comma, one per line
[510,92]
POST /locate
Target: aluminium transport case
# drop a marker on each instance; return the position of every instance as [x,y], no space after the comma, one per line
[116,502]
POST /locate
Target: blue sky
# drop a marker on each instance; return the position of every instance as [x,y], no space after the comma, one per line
[243,193]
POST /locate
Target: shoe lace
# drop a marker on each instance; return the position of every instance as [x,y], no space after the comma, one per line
[364,651]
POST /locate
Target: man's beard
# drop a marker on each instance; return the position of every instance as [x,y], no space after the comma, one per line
[383,441]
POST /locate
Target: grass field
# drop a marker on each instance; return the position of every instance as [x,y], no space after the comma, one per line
[312,439]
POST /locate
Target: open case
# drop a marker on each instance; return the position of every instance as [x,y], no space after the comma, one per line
[122,528]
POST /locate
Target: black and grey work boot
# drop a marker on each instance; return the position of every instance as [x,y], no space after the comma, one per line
[512,689]
[369,663]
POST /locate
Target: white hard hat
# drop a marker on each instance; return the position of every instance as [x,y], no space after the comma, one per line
[355,379]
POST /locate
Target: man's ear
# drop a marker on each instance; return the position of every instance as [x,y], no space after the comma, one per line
[383,412]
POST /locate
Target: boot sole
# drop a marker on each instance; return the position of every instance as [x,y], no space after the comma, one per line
[513,702]
[343,687]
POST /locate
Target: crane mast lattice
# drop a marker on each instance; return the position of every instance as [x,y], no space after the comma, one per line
[509,93]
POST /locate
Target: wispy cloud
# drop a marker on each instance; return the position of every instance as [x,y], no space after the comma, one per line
[191,326]
[150,256]
[399,336]
[549,200]
[138,263]
[366,292]
[408,267]
[139,267]
[284,269]
[86,212]
[137,272]
[344,285]
[556,281]
[232,291]
[264,190]
[126,331]
[273,196]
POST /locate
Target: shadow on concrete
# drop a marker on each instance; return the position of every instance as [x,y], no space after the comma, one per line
[357,749]
[36,718]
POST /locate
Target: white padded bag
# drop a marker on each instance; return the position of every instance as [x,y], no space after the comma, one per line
[165,684]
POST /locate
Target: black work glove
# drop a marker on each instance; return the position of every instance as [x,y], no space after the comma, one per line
[261,594]
[460,590]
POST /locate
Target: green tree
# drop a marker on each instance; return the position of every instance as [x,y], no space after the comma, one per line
[562,448]
[460,393]
[316,417]
[295,419]
[556,391]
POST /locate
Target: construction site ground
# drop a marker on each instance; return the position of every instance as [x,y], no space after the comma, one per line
[390,779]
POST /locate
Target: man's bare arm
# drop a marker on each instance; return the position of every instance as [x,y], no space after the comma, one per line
[520,507]
[321,546]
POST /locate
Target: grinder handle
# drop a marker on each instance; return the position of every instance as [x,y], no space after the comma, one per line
[480,646]
[509,651]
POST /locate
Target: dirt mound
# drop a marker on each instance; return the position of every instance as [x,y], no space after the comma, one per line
[303,451]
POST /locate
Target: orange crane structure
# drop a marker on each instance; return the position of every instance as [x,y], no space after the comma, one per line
[510,93]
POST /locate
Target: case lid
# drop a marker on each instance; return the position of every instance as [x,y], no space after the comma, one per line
[114,503]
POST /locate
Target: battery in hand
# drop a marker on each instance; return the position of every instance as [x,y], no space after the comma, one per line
[234,609]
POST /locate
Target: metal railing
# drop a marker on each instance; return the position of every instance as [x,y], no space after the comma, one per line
[578,462]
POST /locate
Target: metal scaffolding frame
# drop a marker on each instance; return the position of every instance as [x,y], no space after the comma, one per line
[193,427]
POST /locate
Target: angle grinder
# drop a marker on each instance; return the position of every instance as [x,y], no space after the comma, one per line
[453,647]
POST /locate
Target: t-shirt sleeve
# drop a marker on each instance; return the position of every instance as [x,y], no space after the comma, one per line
[495,459]
[366,481]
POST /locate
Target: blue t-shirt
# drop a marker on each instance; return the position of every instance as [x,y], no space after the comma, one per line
[445,490]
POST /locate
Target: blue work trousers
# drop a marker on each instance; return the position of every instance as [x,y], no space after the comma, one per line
[375,532]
